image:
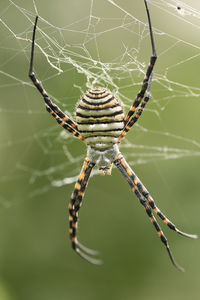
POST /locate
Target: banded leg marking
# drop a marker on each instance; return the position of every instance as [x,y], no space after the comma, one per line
[145,82]
[74,206]
[65,124]
[47,100]
[138,189]
[138,113]
[141,188]
[141,93]
[133,120]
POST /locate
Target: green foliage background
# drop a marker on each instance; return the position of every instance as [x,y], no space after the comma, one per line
[36,260]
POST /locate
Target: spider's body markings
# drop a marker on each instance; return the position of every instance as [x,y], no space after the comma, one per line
[100,118]
[101,124]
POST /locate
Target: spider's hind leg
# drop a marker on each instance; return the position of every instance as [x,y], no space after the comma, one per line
[147,201]
[74,206]
[143,191]
[141,188]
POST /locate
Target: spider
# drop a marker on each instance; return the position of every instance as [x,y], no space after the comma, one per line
[101,124]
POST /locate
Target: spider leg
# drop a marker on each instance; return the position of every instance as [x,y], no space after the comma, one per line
[138,189]
[145,82]
[138,114]
[87,250]
[143,191]
[64,124]
[74,206]
[126,172]
[157,227]
[72,126]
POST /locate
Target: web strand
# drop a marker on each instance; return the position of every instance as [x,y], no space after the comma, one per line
[88,51]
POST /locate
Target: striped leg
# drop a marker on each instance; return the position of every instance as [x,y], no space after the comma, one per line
[47,100]
[138,113]
[65,124]
[140,95]
[74,206]
[136,188]
[148,73]
[141,188]
[146,80]
[157,227]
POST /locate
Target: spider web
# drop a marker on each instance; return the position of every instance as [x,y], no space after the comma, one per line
[81,44]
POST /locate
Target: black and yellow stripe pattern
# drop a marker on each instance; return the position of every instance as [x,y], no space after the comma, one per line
[147,201]
[100,118]
[74,206]
[101,124]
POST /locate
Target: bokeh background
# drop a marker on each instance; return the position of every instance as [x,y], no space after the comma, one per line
[39,162]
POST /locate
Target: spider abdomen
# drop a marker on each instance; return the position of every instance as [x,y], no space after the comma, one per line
[100,118]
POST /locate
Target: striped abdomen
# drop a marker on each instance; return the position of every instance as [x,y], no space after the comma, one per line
[100,118]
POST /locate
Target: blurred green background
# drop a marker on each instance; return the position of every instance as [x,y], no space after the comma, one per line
[36,260]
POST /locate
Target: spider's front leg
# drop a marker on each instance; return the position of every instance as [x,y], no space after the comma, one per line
[146,85]
[74,206]
[62,119]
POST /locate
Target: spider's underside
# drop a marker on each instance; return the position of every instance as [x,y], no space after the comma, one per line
[101,124]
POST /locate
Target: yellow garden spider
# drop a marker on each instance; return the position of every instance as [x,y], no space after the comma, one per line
[101,125]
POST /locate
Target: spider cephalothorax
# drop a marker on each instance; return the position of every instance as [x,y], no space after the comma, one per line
[103,159]
[101,125]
